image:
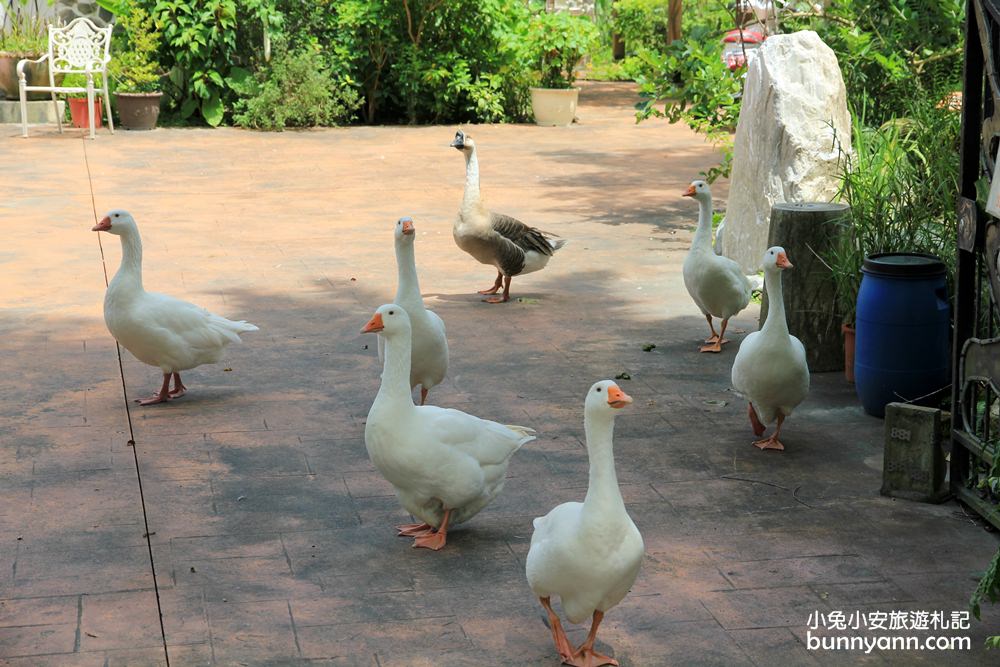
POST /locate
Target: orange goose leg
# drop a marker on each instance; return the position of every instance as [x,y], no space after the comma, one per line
[506,292]
[586,656]
[714,337]
[716,345]
[179,388]
[496,285]
[558,634]
[161,397]
[758,428]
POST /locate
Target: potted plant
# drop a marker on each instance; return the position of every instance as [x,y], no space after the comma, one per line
[134,68]
[25,35]
[555,43]
[78,102]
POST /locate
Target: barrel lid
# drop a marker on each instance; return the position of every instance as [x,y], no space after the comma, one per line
[812,206]
[903,264]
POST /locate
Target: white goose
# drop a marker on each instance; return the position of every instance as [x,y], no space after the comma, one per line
[157,329]
[716,283]
[770,368]
[445,465]
[588,553]
[430,345]
[499,240]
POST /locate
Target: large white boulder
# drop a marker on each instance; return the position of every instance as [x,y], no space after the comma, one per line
[793,124]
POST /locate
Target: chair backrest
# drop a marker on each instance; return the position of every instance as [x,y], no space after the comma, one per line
[79,46]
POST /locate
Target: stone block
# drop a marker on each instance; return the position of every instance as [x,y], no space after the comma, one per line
[914,464]
[39,112]
[793,124]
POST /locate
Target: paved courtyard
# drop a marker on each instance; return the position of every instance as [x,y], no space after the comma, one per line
[244,525]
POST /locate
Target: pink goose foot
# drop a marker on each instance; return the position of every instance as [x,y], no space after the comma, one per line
[161,397]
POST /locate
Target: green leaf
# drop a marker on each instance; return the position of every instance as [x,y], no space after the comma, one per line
[237,76]
[212,110]
[189,107]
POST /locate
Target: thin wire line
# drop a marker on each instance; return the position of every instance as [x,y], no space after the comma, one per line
[128,414]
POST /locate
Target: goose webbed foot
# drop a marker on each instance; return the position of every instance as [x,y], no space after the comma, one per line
[586,656]
[769,443]
[720,338]
[772,442]
[714,346]
[434,539]
[506,291]
[162,397]
[414,529]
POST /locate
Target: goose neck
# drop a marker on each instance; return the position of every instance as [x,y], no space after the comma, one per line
[776,324]
[603,493]
[130,270]
[395,387]
[471,179]
[703,234]
[408,285]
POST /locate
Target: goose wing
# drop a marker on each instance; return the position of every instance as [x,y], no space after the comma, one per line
[487,442]
[514,239]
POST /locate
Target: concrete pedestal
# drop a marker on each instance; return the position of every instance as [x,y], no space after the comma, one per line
[39,113]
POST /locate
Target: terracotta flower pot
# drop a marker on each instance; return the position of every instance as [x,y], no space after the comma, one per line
[78,112]
[138,111]
[848,352]
[554,106]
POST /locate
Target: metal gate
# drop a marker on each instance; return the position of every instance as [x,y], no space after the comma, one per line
[975,457]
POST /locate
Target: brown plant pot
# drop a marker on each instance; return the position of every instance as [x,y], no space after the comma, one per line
[78,112]
[138,111]
[37,74]
[848,352]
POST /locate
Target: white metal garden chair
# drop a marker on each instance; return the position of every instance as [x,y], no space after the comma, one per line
[79,47]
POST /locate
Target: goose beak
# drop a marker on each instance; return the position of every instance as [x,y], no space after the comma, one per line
[408,226]
[374,324]
[782,262]
[459,142]
[103,226]
[689,192]
[618,398]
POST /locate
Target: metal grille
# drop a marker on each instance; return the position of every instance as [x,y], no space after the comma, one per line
[976,395]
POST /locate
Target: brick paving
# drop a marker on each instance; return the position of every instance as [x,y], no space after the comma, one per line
[266,536]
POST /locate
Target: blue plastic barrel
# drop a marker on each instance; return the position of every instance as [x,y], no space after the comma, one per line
[902,350]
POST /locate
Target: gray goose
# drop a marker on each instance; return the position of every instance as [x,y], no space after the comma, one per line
[499,240]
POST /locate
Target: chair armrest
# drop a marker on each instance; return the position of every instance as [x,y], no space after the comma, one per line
[23,62]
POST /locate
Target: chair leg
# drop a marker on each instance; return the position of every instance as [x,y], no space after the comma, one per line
[107,104]
[24,107]
[90,106]
[55,107]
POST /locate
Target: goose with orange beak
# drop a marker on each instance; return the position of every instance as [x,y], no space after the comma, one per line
[716,283]
[157,329]
[770,369]
[445,465]
[588,553]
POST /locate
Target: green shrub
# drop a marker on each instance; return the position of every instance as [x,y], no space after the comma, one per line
[25,33]
[555,44]
[134,67]
[207,47]
[693,85]
[293,90]
[642,24]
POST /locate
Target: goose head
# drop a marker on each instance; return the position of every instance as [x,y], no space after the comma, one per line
[117,222]
[463,142]
[605,397]
[389,320]
[699,190]
[405,230]
[775,259]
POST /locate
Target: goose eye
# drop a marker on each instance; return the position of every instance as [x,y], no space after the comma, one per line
[392,312]
[598,390]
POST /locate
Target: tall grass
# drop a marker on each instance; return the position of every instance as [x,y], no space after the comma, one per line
[900,180]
